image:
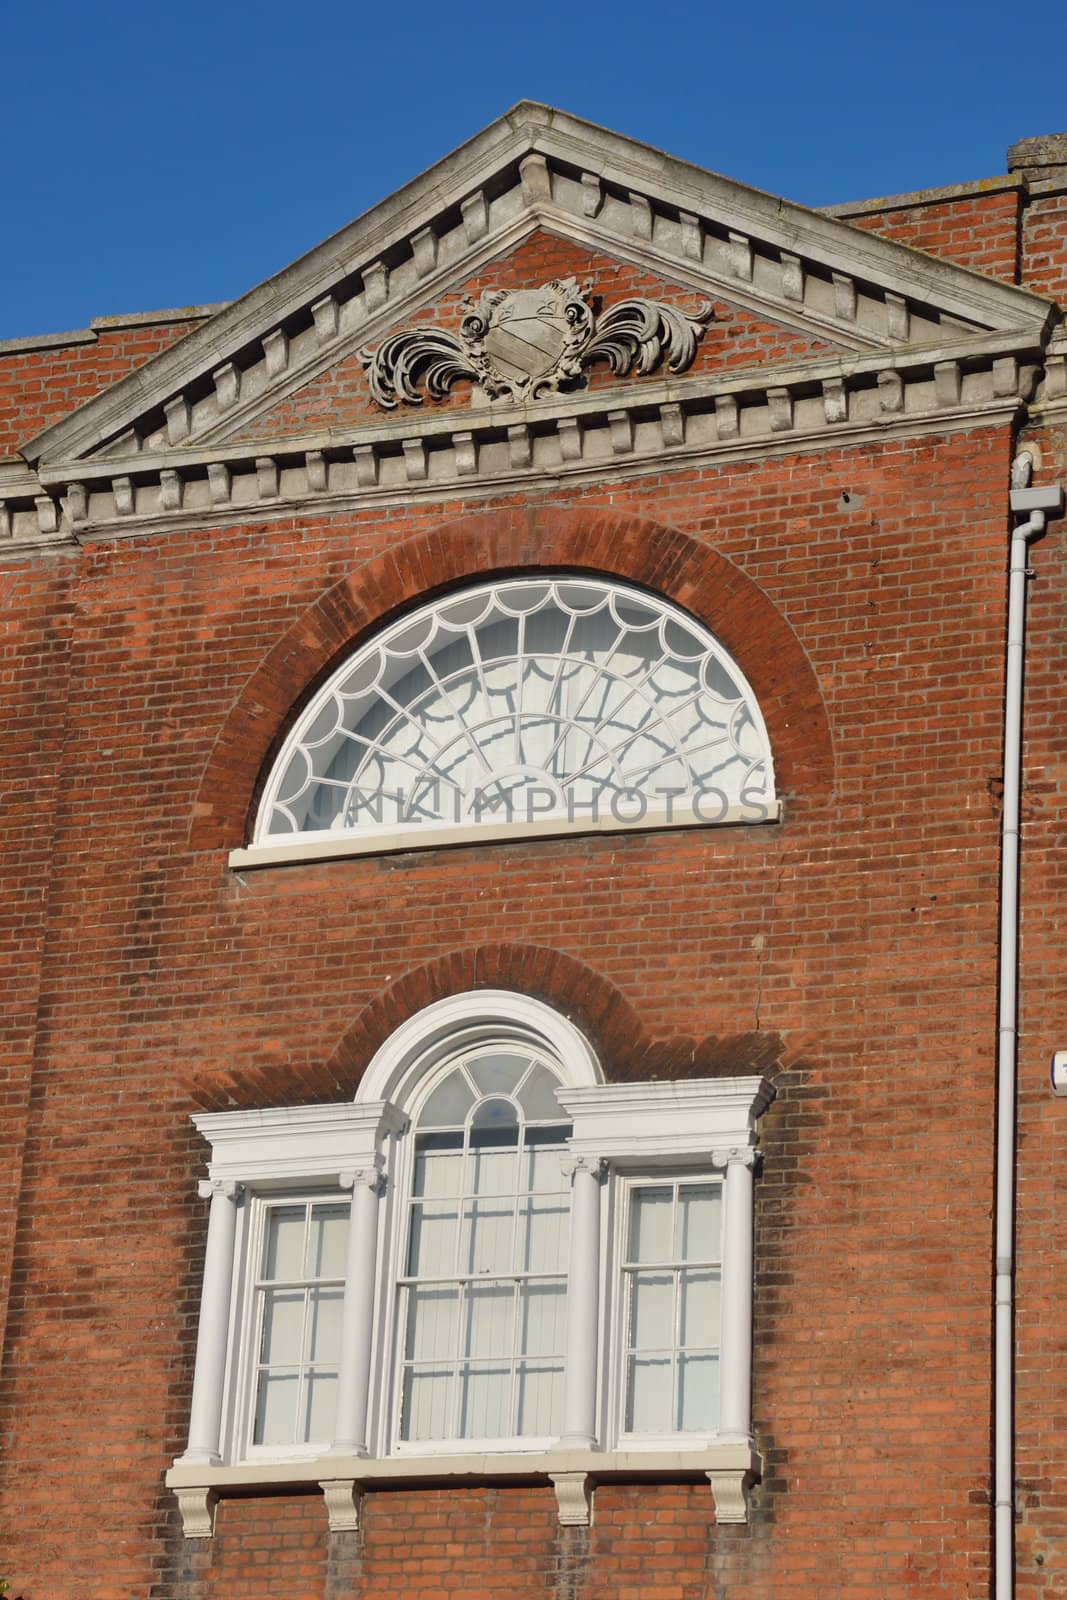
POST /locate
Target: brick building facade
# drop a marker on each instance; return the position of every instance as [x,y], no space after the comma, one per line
[559,377]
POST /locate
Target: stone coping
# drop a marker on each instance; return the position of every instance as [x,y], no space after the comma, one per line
[98,325]
[973,189]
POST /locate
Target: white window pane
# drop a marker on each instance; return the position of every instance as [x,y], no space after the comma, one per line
[542,1168]
[699,1222]
[537,1097]
[432,1324]
[495,1123]
[276,1408]
[650,1224]
[284,1252]
[540,1398]
[438,1173]
[324,1331]
[327,1238]
[541,693]
[698,1393]
[489,1320]
[494,1171]
[487,1227]
[648,1395]
[497,1073]
[283,1327]
[542,1318]
[543,1235]
[433,1240]
[700,1318]
[320,1405]
[485,1393]
[652,1311]
[449,1103]
[427,1403]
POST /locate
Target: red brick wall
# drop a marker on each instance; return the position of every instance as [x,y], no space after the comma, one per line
[1044,246]
[35,620]
[850,949]
[38,387]
[977,231]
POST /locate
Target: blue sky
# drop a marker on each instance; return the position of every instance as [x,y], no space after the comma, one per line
[171,155]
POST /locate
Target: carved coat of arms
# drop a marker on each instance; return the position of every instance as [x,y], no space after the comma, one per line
[519,344]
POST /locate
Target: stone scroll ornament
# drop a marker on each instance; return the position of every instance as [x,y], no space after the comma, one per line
[519,344]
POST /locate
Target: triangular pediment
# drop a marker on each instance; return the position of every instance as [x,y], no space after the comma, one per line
[728,338]
[833,290]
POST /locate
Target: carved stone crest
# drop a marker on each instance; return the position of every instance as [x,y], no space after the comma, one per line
[519,344]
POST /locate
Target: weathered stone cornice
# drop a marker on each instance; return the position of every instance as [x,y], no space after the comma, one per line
[608,433]
[537,168]
[1050,401]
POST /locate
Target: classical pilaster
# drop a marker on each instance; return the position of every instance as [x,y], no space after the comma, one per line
[205,1420]
[583,1291]
[735,1356]
[353,1387]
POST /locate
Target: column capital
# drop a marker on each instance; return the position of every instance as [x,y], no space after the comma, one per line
[591,1164]
[742,1155]
[208,1188]
[370,1177]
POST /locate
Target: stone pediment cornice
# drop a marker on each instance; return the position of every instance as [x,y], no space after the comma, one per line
[660,425]
[537,168]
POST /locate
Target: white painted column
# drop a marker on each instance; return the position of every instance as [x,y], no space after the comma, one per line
[205,1420]
[583,1295]
[357,1315]
[735,1356]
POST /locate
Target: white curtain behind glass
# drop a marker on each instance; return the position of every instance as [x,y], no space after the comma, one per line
[673,1274]
[484,1290]
[299,1292]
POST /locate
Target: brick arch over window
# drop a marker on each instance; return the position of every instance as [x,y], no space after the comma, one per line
[608,543]
[620,1040]
[622,1043]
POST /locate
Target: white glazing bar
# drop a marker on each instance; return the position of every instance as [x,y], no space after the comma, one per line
[735,1361]
[357,1316]
[583,1291]
[205,1420]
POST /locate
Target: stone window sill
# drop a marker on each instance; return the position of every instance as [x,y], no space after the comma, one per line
[728,1467]
[329,847]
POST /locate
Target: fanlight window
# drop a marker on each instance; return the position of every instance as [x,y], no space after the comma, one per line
[483,1286]
[528,701]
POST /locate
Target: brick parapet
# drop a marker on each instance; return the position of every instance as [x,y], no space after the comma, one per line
[42,380]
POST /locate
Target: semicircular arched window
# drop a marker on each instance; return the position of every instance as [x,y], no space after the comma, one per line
[544,704]
[483,1279]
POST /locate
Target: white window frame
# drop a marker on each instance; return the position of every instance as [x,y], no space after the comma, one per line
[615,1386]
[239,1408]
[621,1134]
[643,806]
